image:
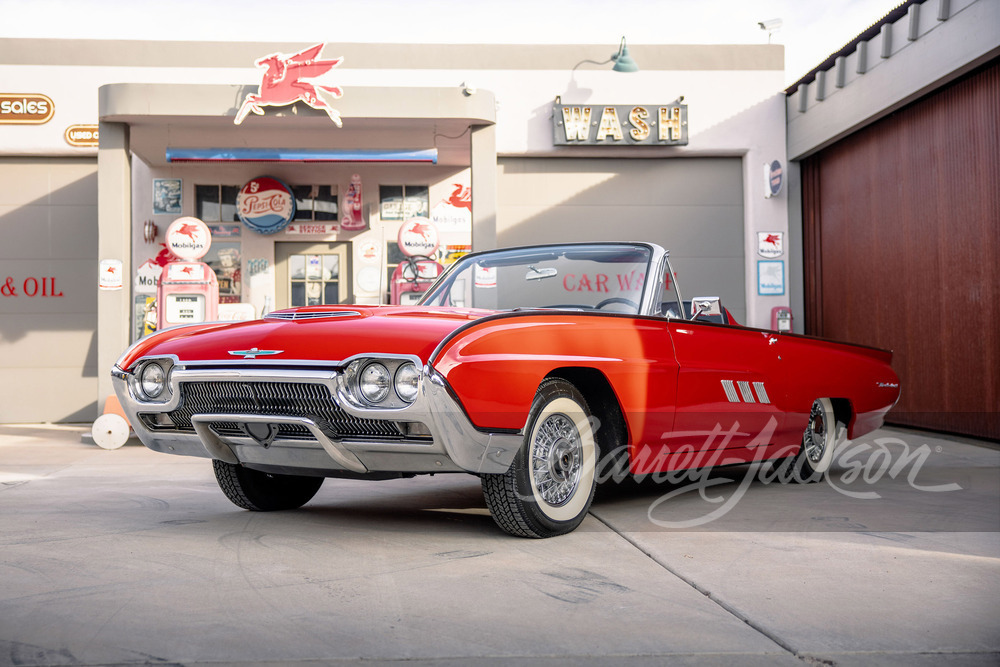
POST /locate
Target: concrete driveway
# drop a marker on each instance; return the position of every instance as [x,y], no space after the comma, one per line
[132,557]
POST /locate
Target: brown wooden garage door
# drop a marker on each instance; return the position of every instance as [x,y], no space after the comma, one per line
[902,251]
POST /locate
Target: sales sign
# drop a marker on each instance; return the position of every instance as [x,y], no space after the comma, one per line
[620,125]
[25,108]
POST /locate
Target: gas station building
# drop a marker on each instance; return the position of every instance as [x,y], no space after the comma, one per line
[315,181]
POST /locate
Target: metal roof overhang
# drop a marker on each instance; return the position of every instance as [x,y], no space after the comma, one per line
[427,156]
[402,125]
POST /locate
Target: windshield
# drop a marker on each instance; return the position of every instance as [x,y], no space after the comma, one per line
[607,277]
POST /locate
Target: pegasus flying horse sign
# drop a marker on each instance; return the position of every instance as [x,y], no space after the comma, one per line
[288,79]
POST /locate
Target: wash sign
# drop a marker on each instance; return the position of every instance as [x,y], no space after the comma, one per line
[620,125]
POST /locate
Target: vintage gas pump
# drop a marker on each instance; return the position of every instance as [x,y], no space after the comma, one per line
[412,278]
[418,241]
[188,291]
[781,318]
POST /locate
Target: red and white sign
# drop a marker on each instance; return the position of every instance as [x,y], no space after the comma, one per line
[486,276]
[265,205]
[353,220]
[186,271]
[369,252]
[110,276]
[454,213]
[770,244]
[299,229]
[418,236]
[188,238]
[288,79]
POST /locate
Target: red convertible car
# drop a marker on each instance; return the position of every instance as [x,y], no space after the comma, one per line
[534,368]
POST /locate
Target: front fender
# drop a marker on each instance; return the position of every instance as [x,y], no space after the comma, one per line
[496,365]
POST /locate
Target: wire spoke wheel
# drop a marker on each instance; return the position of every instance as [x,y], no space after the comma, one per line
[815,439]
[549,487]
[822,435]
[556,460]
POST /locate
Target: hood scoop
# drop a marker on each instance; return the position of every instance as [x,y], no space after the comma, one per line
[310,314]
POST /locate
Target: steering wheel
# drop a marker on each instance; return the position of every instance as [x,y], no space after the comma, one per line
[617,299]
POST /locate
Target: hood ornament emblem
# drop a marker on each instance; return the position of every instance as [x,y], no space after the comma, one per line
[253,353]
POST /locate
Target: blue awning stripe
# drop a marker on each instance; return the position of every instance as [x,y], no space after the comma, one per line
[427,156]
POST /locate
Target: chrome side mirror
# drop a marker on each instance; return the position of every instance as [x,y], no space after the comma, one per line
[705,305]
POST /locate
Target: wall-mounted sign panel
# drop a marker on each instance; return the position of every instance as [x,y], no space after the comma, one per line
[265,205]
[25,108]
[82,136]
[620,125]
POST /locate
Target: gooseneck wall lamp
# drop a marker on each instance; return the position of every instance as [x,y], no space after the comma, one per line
[623,62]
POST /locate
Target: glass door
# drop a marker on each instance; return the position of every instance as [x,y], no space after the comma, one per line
[311,274]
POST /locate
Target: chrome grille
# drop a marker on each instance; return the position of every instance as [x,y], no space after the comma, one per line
[285,431]
[285,399]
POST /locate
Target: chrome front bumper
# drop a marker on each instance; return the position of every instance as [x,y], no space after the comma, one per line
[453,445]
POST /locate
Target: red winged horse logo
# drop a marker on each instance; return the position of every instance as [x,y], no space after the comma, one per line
[285,82]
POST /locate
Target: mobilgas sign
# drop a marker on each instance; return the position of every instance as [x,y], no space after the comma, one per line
[619,125]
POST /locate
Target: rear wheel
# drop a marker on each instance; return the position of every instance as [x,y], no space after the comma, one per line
[822,436]
[548,488]
[264,492]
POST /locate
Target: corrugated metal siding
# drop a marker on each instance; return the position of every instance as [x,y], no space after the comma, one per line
[902,251]
[48,344]
[691,206]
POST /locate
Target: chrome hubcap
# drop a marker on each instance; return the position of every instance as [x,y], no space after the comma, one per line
[557,459]
[815,440]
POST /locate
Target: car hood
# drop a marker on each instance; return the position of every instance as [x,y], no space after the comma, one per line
[318,333]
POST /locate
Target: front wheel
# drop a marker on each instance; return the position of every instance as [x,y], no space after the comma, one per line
[264,492]
[548,488]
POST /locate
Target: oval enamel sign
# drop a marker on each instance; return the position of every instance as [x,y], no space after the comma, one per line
[266,205]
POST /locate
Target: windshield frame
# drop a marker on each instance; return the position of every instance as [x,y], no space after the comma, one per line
[656,256]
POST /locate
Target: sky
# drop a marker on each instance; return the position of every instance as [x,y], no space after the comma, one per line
[811,29]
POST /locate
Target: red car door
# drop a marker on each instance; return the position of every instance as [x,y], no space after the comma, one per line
[723,400]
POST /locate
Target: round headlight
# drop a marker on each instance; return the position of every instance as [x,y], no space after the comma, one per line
[407,382]
[374,383]
[152,380]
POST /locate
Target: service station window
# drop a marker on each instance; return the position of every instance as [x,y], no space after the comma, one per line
[402,202]
[215,205]
[315,203]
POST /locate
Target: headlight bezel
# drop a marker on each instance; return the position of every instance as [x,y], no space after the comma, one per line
[393,395]
[138,378]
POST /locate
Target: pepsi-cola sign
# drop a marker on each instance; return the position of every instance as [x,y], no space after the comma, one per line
[265,205]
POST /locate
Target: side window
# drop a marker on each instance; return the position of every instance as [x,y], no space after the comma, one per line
[669,304]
